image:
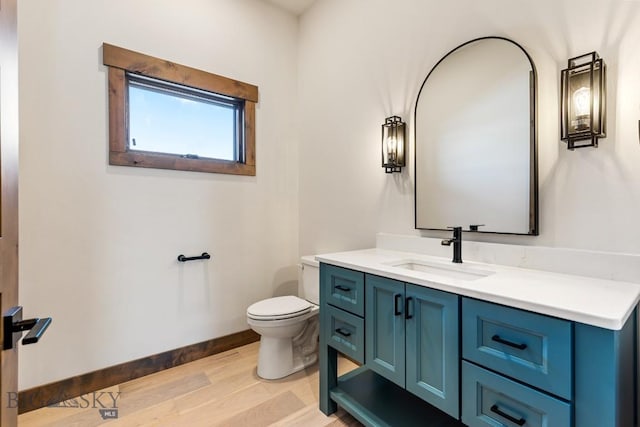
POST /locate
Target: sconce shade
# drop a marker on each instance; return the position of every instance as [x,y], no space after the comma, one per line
[393,144]
[583,110]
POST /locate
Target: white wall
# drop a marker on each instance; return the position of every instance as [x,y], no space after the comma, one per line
[364,60]
[99,243]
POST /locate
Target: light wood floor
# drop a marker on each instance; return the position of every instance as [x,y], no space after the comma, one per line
[221,390]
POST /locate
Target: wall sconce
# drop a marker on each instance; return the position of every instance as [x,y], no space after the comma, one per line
[393,144]
[582,107]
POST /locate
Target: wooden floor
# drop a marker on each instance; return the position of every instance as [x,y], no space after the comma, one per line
[221,390]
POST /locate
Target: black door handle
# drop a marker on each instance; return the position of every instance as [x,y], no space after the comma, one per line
[37,331]
[407,302]
[13,326]
[397,306]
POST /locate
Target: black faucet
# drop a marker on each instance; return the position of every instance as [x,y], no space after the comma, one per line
[457,244]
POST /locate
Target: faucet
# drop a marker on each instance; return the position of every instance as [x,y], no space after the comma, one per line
[457,244]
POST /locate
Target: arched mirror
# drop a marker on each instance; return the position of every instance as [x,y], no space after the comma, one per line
[475,141]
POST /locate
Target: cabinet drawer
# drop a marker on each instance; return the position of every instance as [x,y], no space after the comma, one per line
[345,333]
[489,399]
[532,348]
[343,288]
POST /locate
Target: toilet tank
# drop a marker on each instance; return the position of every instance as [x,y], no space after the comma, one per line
[309,279]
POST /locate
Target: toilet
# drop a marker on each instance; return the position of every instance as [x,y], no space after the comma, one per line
[288,326]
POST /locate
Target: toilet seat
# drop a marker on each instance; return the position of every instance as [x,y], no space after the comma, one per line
[279,308]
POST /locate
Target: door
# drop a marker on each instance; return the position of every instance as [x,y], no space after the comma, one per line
[432,347]
[384,327]
[8,200]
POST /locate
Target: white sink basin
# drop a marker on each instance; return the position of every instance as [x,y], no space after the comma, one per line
[453,271]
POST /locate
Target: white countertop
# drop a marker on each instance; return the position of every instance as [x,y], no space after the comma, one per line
[598,302]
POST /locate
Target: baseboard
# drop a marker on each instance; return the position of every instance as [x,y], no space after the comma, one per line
[52,393]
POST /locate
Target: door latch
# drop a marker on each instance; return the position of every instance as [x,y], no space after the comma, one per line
[13,326]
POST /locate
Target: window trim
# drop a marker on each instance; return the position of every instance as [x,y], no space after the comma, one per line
[121,61]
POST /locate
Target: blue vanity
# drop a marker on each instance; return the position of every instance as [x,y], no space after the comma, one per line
[475,344]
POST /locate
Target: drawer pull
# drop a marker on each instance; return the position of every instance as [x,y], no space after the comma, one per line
[514,420]
[406,308]
[497,338]
[343,332]
[343,288]
[397,304]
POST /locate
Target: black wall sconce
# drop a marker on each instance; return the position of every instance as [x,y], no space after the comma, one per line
[393,146]
[583,107]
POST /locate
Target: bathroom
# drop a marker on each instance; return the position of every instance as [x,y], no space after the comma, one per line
[98,243]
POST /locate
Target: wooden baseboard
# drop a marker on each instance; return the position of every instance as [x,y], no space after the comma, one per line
[52,393]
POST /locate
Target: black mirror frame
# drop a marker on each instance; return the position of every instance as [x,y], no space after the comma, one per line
[534,226]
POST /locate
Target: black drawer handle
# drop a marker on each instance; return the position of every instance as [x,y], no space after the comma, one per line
[514,420]
[397,304]
[343,288]
[497,338]
[343,332]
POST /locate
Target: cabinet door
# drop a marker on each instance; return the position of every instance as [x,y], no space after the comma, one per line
[384,327]
[432,347]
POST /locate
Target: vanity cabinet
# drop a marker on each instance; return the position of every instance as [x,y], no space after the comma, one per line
[534,350]
[411,335]
[523,368]
[491,400]
[529,347]
[342,292]
[430,357]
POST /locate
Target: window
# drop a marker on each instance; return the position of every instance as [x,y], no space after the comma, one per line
[169,116]
[166,118]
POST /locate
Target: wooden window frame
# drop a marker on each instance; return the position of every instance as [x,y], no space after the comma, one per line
[122,61]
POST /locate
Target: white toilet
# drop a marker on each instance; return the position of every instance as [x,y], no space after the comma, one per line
[288,326]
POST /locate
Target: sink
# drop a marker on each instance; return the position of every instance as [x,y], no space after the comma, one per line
[450,271]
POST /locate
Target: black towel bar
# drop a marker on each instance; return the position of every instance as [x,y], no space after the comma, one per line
[183,258]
